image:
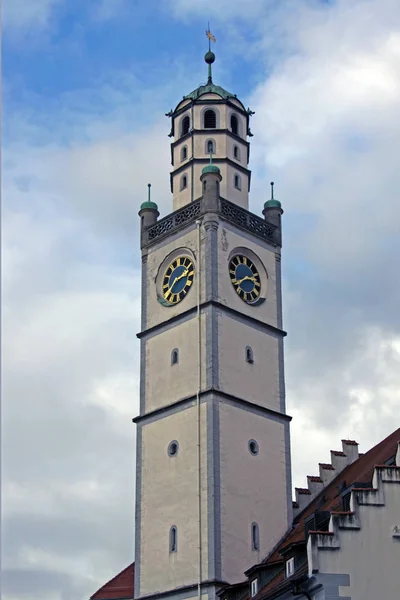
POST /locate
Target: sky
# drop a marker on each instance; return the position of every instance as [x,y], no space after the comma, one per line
[86,85]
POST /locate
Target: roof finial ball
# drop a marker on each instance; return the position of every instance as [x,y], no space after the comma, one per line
[272,213]
[209,57]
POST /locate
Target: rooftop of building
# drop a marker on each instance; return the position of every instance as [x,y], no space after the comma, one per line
[119,587]
[329,499]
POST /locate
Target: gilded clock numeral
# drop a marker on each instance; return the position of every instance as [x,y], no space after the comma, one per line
[177,279]
[245,278]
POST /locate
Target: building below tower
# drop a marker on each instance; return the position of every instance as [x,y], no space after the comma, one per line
[344,541]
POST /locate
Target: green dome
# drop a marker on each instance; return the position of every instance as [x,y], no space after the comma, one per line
[209,57]
[149,205]
[210,169]
[272,204]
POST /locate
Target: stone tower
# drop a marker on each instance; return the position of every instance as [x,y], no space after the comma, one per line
[213,460]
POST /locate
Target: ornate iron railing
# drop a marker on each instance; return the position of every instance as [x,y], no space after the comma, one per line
[228,210]
[174,221]
[246,220]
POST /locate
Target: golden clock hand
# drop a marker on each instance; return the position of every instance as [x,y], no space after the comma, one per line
[169,291]
[246,279]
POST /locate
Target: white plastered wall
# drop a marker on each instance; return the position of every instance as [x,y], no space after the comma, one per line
[227,188]
[253,488]
[224,149]
[370,555]
[156,312]
[256,382]
[170,497]
[229,240]
[166,383]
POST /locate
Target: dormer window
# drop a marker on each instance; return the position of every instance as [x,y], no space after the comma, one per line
[185,126]
[210,119]
[290,567]
[254,587]
[234,124]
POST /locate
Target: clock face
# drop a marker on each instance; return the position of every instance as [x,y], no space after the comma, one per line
[245,278]
[177,280]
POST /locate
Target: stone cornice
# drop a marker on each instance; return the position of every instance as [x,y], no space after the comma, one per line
[220,306]
[184,402]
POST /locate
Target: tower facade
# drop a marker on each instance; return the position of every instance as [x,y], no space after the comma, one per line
[213,487]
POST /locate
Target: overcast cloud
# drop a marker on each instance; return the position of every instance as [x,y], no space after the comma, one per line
[327,98]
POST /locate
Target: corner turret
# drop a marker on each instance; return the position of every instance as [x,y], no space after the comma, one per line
[148,214]
[272,213]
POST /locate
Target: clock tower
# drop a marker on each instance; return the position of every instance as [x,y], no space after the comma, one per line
[213,483]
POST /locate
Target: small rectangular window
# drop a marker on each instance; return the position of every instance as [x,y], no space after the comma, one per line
[254,587]
[289,567]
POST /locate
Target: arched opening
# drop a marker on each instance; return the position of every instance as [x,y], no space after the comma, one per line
[173,539]
[234,124]
[210,119]
[255,537]
[184,182]
[237,182]
[210,147]
[249,355]
[185,125]
[184,153]
[236,152]
[175,356]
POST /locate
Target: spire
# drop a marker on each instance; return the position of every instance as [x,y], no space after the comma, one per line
[210,168]
[272,203]
[149,204]
[209,56]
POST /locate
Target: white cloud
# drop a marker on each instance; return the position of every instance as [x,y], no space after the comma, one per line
[23,15]
[326,129]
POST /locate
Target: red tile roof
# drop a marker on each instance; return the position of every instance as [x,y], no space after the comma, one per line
[119,587]
[359,471]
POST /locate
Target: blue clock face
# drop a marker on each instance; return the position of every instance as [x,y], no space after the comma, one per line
[245,278]
[177,280]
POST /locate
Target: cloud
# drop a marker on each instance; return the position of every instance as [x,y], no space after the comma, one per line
[71,309]
[70,386]
[326,130]
[327,133]
[24,16]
